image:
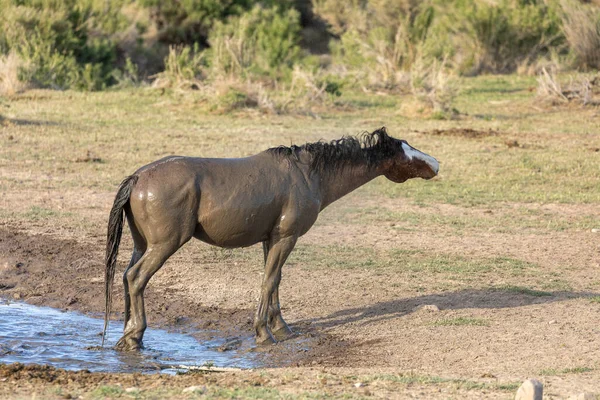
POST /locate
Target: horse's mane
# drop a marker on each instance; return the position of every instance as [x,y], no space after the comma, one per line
[349,150]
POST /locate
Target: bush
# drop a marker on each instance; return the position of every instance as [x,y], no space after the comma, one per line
[10,65]
[263,41]
[511,33]
[183,68]
[476,36]
[56,42]
[191,21]
[433,86]
[383,42]
[579,89]
[581,25]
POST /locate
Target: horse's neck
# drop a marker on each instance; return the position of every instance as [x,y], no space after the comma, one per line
[335,185]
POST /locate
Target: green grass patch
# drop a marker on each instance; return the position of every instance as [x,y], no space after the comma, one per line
[38,213]
[461,321]
[260,393]
[411,378]
[513,220]
[572,370]
[595,299]
[129,128]
[415,261]
[107,391]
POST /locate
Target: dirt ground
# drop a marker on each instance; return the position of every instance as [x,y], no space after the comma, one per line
[344,318]
[391,296]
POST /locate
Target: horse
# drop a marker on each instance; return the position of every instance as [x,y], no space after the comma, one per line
[273,198]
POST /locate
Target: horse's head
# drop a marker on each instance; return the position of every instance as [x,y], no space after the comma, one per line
[409,162]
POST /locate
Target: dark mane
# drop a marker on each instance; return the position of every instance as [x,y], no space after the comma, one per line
[349,150]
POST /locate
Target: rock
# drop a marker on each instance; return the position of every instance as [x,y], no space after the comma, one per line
[595,230]
[531,389]
[193,389]
[358,385]
[132,389]
[584,396]
[428,307]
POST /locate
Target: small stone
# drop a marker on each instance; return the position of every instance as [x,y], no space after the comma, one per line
[584,396]
[231,344]
[430,308]
[595,230]
[132,389]
[358,385]
[192,389]
[531,389]
[552,322]
[16,296]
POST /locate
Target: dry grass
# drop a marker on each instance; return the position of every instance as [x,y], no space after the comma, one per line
[434,86]
[581,24]
[405,243]
[9,74]
[183,69]
[579,89]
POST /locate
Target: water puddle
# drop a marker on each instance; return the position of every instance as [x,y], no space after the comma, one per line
[70,340]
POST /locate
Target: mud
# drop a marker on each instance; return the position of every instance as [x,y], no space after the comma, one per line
[46,336]
[65,274]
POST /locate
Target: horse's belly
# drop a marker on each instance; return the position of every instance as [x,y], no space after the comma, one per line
[231,230]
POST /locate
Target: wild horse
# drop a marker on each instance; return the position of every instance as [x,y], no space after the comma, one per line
[273,197]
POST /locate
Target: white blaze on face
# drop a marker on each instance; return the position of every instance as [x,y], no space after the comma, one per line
[412,153]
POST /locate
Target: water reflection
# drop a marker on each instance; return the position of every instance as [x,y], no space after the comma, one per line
[70,340]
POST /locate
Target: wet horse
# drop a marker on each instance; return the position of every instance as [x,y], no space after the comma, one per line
[273,197]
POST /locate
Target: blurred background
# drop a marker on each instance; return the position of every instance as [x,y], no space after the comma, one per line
[294,55]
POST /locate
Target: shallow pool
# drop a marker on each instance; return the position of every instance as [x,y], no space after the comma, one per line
[70,340]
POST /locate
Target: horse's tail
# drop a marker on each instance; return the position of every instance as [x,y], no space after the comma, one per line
[113,238]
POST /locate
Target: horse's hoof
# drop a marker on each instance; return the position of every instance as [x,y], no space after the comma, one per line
[283,333]
[129,344]
[266,340]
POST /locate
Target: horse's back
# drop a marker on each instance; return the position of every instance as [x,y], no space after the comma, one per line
[226,202]
[241,200]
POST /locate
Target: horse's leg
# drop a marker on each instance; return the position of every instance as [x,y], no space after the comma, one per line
[277,255]
[135,257]
[139,247]
[137,278]
[277,324]
[279,328]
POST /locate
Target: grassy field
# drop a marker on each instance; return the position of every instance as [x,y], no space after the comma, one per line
[504,231]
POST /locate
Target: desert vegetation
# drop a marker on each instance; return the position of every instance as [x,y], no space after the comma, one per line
[291,56]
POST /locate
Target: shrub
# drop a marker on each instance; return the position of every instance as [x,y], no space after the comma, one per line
[263,41]
[581,25]
[476,36]
[579,89]
[378,48]
[433,86]
[183,68]
[10,65]
[497,37]
[188,22]
[56,41]
[308,91]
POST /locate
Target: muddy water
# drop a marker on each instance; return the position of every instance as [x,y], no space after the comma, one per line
[69,340]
